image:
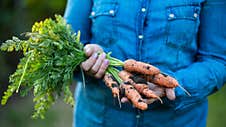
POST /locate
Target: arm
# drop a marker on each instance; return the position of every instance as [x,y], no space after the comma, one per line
[208,73]
[77,14]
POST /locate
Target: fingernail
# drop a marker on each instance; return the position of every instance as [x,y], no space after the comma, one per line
[87,50]
[95,55]
[106,62]
[103,55]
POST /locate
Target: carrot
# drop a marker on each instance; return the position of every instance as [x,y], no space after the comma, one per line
[140,87]
[113,85]
[126,77]
[140,67]
[132,94]
[144,89]
[163,80]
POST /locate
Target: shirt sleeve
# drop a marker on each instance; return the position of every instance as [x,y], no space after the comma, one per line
[77,14]
[208,73]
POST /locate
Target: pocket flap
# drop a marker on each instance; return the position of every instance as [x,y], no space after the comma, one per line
[190,12]
[108,9]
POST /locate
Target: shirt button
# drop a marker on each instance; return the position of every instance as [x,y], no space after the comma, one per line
[195,15]
[143,9]
[171,15]
[137,116]
[92,13]
[112,12]
[140,36]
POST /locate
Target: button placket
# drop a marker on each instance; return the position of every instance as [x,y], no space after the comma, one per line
[143,10]
[140,26]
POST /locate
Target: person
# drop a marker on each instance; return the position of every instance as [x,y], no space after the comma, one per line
[184,38]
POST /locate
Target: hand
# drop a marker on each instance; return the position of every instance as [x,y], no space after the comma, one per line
[95,65]
[159,91]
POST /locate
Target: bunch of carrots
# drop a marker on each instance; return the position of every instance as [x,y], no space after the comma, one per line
[52,51]
[132,82]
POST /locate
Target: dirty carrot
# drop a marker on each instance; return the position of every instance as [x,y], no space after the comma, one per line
[140,87]
[163,80]
[113,85]
[108,80]
[132,94]
[144,89]
[140,67]
[125,76]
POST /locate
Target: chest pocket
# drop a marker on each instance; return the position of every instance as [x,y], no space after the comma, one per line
[182,25]
[104,22]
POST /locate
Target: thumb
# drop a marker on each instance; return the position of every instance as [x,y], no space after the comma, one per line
[88,49]
[170,94]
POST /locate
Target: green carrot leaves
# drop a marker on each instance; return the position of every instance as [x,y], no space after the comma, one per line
[52,51]
[51,54]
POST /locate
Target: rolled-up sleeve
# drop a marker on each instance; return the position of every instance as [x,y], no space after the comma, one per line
[77,14]
[208,73]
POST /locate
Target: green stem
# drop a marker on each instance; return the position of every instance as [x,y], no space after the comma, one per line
[24,71]
[114,61]
[114,72]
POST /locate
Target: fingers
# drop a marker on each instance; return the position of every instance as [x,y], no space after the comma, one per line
[150,101]
[95,65]
[86,65]
[91,49]
[98,63]
[159,91]
[124,100]
[151,85]
[102,69]
[170,93]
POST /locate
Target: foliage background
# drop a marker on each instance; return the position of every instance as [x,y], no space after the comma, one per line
[17,16]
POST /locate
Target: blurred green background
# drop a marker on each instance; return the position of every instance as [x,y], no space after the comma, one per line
[17,16]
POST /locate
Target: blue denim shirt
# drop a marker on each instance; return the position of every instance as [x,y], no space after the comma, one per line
[184,38]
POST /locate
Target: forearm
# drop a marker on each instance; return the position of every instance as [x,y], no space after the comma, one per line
[208,73]
[200,79]
[77,15]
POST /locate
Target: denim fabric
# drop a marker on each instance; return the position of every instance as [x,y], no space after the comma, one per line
[184,38]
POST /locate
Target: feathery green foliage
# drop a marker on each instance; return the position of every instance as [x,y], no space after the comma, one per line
[51,54]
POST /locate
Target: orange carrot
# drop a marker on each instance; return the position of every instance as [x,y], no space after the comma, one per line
[144,89]
[132,94]
[140,67]
[163,80]
[125,76]
[140,87]
[108,79]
